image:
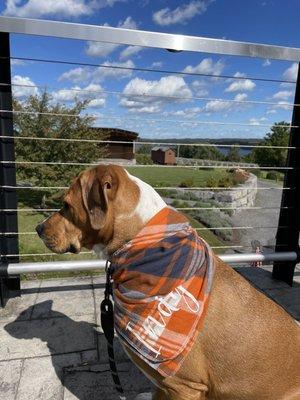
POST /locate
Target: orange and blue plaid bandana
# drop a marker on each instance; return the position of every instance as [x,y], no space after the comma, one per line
[162,282]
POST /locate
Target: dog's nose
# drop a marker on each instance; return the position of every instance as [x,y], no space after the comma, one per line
[40,229]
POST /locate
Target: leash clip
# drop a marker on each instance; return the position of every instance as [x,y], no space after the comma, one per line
[108,284]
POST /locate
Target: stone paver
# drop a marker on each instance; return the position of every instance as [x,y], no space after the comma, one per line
[23,339]
[94,382]
[10,372]
[52,348]
[42,377]
[21,309]
[70,297]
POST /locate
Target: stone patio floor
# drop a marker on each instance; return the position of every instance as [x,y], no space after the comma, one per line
[51,346]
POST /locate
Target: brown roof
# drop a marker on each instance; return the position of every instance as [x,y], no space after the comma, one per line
[117,134]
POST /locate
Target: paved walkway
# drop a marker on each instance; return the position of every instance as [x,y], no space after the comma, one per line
[51,346]
[259,218]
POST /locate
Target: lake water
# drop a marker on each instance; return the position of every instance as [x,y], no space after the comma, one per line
[244,151]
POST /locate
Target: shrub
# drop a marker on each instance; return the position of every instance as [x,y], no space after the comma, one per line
[214,219]
[273,175]
[144,159]
[225,182]
[257,172]
[189,182]
[212,182]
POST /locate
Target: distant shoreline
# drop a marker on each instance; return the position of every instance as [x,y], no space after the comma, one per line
[223,141]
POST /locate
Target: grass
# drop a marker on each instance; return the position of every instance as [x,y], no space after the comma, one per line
[32,244]
[207,235]
[161,176]
[264,175]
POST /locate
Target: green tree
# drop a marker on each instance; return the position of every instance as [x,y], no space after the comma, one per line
[40,123]
[234,154]
[208,153]
[272,156]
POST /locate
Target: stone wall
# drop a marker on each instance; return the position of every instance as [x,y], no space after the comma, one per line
[242,195]
[200,162]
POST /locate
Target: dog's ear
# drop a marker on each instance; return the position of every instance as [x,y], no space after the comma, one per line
[97,191]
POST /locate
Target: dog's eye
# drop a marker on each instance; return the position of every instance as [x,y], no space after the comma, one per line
[66,206]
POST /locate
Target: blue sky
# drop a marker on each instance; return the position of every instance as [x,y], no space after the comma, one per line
[263,21]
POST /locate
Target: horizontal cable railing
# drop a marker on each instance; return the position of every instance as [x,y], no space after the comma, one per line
[145,142]
[161,71]
[114,117]
[146,95]
[177,188]
[209,166]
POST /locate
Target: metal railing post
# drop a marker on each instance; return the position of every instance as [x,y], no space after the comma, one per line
[8,197]
[290,198]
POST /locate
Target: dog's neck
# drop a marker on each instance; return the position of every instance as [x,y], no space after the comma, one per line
[127,224]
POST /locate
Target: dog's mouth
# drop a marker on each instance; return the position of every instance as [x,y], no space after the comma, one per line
[52,245]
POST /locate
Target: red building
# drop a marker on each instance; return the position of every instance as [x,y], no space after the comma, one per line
[163,155]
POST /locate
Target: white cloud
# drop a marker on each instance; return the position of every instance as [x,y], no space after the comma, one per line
[199,88]
[93,93]
[241,97]
[79,74]
[266,63]
[146,109]
[283,94]
[257,121]
[290,74]
[157,64]
[217,106]
[239,75]
[201,92]
[181,14]
[23,91]
[119,70]
[130,51]
[240,85]
[85,74]
[283,105]
[100,49]
[58,8]
[17,62]
[206,66]
[97,103]
[169,86]
[166,86]
[186,113]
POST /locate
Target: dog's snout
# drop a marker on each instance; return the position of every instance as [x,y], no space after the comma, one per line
[40,229]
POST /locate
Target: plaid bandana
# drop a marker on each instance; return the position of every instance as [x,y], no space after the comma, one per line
[162,281]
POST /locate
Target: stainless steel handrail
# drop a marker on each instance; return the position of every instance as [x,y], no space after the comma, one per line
[61,266]
[146,38]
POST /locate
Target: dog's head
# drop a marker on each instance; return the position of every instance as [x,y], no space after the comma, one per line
[90,207]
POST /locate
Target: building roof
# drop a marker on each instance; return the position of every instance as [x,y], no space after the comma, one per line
[161,148]
[117,134]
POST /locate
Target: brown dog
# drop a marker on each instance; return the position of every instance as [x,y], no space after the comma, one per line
[249,347]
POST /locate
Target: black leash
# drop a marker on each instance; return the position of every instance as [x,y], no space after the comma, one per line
[107,322]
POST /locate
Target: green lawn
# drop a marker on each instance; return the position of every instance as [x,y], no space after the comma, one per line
[162,176]
[207,235]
